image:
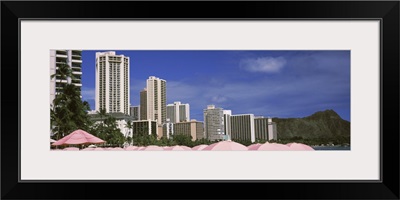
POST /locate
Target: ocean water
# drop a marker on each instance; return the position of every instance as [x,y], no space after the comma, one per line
[331,148]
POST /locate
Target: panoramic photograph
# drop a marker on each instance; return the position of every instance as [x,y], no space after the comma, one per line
[199,100]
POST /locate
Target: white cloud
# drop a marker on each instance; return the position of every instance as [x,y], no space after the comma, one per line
[263,64]
[218,99]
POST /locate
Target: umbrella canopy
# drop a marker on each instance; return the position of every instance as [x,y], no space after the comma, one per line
[78,137]
[153,148]
[272,147]
[254,146]
[98,149]
[116,149]
[178,148]
[131,148]
[199,147]
[299,147]
[88,149]
[71,149]
[141,148]
[226,146]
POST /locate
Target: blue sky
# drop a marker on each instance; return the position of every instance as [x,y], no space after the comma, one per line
[265,83]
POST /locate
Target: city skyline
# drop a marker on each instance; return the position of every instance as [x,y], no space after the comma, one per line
[264,83]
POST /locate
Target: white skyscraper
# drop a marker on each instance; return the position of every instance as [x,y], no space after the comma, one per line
[112,82]
[156,99]
[73,59]
[178,112]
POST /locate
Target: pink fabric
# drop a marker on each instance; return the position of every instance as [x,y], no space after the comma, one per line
[226,146]
[98,149]
[153,148]
[273,147]
[78,137]
[299,147]
[254,147]
[88,149]
[178,148]
[117,149]
[71,149]
[199,147]
[131,148]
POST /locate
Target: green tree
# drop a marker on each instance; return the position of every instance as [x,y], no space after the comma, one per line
[129,126]
[63,72]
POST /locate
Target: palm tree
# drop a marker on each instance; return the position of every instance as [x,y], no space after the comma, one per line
[102,113]
[64,71]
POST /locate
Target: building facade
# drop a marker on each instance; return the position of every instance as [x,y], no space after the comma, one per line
[135,112]
[242,127]
[192,128]
[144,127]
[227,122]
[156,99]
[261,128]
[213,123]
[178,112]
[71,58]
[112,82]
[143,104]
[272,130]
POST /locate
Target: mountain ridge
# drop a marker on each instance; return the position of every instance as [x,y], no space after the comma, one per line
[322,126]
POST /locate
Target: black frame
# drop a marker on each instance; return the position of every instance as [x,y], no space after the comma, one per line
[386,11]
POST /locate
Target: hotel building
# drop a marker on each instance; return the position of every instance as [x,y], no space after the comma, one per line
[192,128]
[213,123]
[112,82]
[135,112]
[73,59]
[242,127]
[145,127]
[178,112]
[156,99]
[143,104]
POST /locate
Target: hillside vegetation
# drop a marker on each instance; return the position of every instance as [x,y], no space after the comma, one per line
[320,128]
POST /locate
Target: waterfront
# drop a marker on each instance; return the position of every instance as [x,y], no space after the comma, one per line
[331,148]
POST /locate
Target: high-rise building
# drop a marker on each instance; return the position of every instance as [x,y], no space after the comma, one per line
[192,128]
[261,128]
[70,58]
[242,127]
[135,112]
[156,99]
[272,130]
[112,82]
[144,127]
[178,112]
[143,104]
[227,122]
[213,123]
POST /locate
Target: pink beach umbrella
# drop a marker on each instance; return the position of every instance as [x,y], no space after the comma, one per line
[78,137]
[88,149]
[153,148]
[116,149]
[71,149]
[199,147]
[178,148]
[226,146]
[131,148]
[167,148]
[299,147]
[141,148]
[254,147]
[98,149]
[273,147]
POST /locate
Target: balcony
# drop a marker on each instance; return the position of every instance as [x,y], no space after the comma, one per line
[76,61]
[76,72]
